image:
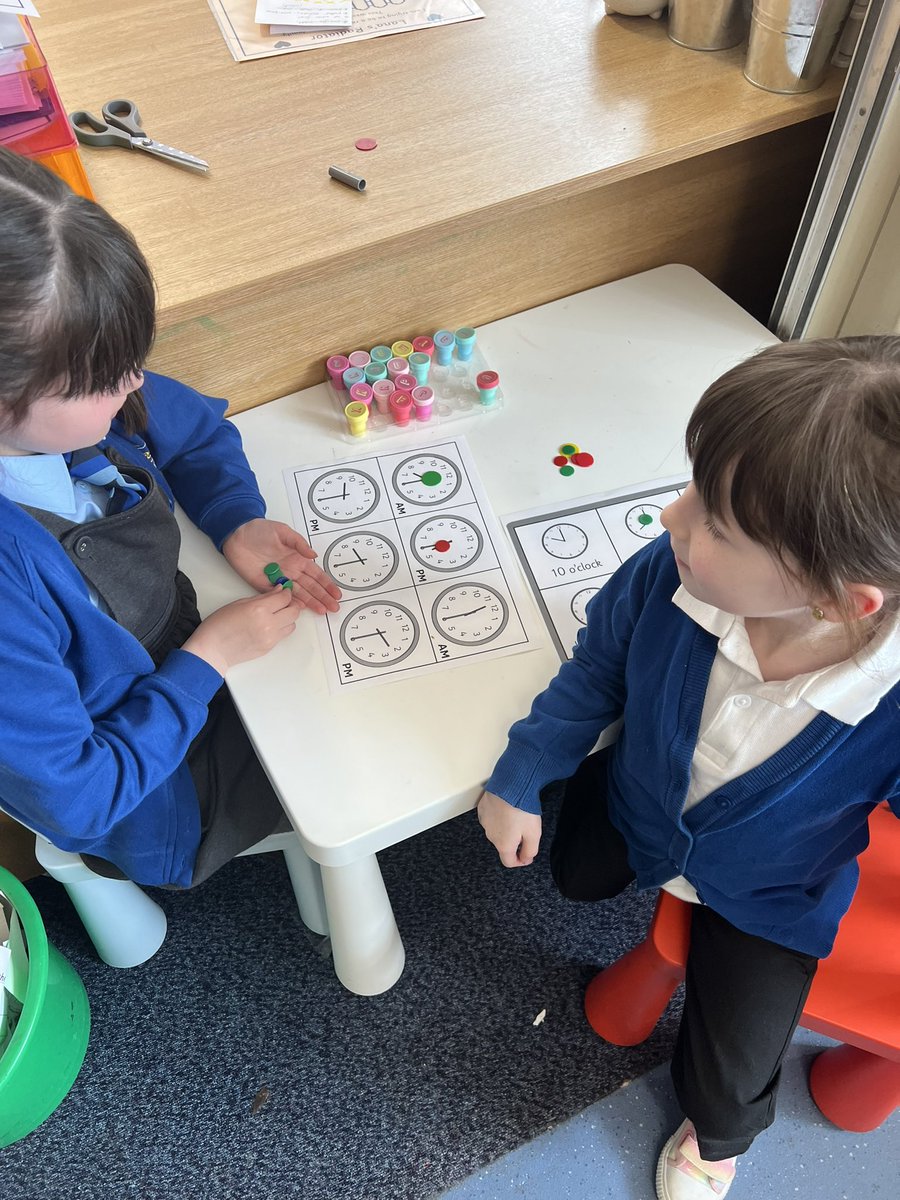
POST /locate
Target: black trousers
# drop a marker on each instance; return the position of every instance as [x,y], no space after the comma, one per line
[743,995]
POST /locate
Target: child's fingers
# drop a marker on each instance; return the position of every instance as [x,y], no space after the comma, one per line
[297,542]
[509,855]
[320,585]
[279,604]
[304,599]
[274,601]
[283,619]
[529,847]
[317,591]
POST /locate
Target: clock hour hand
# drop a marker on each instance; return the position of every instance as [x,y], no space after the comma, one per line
[375,633]
[472,611]
[429,478]
[350,563]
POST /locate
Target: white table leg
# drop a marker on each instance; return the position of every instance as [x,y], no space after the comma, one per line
[305,876]
[306,880]
[365,941]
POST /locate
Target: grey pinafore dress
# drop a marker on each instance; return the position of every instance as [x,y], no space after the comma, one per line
[131,560]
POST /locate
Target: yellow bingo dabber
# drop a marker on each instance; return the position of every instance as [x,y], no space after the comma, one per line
[276,578]
[357,414]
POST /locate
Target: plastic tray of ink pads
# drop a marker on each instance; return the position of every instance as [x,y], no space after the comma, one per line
[456,395]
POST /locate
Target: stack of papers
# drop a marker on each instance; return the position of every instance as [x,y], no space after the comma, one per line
[24,108]
[303,16]
[12,33]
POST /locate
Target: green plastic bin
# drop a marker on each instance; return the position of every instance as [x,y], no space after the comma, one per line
[42,1059]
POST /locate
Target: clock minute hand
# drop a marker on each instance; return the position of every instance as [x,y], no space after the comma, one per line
[375,633]
[472,611]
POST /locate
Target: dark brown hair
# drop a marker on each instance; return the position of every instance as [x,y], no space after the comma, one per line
[77,302]
[802,443]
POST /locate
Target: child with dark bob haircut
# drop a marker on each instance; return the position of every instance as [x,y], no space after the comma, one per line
[117,738]
[753,652]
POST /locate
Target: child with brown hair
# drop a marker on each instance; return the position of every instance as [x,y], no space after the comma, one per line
[117,739]
[753,653]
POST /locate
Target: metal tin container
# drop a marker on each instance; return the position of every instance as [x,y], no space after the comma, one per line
[707,24]
[792,41]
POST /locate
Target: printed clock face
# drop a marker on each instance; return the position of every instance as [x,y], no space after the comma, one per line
[564,540]
[343,495]
[379,634]
[360,560]
[427,479]
[580,601]
[470,614]
[643,520]
[446,543]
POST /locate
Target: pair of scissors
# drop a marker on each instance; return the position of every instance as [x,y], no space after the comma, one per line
[121,126]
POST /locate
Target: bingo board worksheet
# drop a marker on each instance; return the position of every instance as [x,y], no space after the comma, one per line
[569,551]
[425,571]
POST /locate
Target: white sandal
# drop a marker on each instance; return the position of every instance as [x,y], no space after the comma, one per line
[681,1173]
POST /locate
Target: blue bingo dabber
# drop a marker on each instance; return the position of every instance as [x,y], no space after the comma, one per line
[275,577]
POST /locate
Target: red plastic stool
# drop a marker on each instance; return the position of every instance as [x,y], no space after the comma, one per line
[853,1088]
[855,996]
[624,1003]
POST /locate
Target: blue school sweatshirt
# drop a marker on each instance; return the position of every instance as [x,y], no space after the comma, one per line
[773,851]
[92,737]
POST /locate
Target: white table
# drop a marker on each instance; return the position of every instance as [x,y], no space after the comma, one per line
[616,369]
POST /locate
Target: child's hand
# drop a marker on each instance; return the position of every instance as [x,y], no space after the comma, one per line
[516,835]
[243,630]
[259,542]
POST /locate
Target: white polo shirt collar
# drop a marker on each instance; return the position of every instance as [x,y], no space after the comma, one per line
[847,691]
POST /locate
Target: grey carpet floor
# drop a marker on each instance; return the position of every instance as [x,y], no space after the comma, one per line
[393,1097]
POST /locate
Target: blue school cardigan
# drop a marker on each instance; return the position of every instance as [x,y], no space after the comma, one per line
[92,737]
[773,851]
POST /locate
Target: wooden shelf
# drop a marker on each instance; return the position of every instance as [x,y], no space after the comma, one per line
[515,153]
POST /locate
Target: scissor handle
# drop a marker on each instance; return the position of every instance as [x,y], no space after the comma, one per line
[125,115]
[91,131]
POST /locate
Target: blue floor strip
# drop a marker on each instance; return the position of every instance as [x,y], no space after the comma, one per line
[609,1151]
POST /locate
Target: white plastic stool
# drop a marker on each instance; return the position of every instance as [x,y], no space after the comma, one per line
[125,925]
